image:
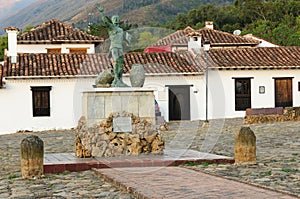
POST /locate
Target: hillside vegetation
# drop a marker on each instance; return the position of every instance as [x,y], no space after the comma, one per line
[277,21]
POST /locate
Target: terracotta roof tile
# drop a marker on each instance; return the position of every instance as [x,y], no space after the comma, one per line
[92,64]
[217,38]
[56,31]
[154,63]
[255,58]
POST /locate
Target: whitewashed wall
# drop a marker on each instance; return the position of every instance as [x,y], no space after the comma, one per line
[65,101]
[222,91]
[16,105]
[42,48]
[197,96]
[66,97]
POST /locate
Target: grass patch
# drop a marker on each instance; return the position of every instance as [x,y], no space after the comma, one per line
[295,154]
[66,172]
[206,164]
[267,173]
[12,176]
[51,185]
[191,163]
[289,170]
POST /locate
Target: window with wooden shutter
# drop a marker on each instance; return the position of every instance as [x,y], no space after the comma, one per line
[41,100]
[78,51]
[53,50]
[242,94]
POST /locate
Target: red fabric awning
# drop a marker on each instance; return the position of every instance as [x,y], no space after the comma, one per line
[158,49]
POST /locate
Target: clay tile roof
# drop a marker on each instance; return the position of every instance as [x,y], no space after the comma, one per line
[223,38]
[188,29]
[193,33]
[30,65]
[171,38]
[161,63]
[56,31]
[255,58]
[217,38]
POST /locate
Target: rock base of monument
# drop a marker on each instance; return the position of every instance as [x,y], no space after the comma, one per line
[101,140]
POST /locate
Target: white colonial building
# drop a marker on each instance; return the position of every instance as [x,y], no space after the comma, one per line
[42,80]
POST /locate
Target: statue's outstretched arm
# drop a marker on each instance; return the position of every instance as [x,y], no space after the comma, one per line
[105,19]
[100,8]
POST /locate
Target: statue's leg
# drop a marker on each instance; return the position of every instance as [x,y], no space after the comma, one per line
[119,66]
[115,56]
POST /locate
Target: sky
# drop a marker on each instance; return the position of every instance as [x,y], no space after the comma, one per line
[8,7]
[7,3]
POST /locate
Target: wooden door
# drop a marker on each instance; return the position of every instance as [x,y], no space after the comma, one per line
[179,102]
[283,92]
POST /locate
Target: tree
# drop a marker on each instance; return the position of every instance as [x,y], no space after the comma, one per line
[277,21]
[145,39]
[3,46]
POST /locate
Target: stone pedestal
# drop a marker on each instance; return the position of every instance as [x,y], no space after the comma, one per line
[101,102]
[32,157]
[118,122]
[245,147]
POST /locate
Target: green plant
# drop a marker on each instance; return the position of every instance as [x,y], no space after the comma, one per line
[205,164]
[66,172]
[289,170]
[12,176]
[267,173]
[191,163]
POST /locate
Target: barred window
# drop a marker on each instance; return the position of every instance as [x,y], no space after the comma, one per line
[41,100]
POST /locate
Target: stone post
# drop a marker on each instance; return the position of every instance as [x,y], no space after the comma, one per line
[32,157]
[245,147]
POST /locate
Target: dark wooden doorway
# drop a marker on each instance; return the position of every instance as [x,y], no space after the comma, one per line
[179,102]
[283,92]
[242,94]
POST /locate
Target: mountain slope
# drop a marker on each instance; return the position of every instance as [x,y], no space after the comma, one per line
[12,7]
[78,12]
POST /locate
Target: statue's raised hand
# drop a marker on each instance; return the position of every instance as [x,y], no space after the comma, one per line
[99,7]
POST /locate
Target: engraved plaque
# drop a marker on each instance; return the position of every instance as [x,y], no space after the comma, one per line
[122,124]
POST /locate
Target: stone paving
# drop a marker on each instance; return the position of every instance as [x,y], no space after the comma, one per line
[278,153]
[278,160]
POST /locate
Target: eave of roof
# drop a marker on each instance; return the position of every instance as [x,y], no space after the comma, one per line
[78,65]
[264,58]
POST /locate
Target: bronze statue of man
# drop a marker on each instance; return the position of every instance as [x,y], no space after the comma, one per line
[116,34]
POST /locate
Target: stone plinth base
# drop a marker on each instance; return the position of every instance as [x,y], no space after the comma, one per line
[99,103]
